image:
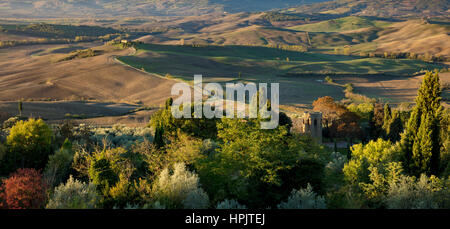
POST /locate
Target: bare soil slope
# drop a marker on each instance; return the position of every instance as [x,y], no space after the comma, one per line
[67,109]
[416,36]
[394,89]
[99,78]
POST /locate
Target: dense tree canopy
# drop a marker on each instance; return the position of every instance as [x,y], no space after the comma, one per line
[30,144]
[259,167]
[25,189]
[339,122]
[233,163]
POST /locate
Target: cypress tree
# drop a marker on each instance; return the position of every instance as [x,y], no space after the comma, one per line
[169,103]
[376,122]
[422,150]
[387,117]
[349,152]
[421,141]
[395,127]
[158,140]
[20,107]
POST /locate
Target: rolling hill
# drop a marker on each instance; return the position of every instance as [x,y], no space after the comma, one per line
[300,74]
[226,61]
[341,24]
[411,36]
[378,8]
[41,77]
[416,37]
[365,34]
[133,8]
[260,45]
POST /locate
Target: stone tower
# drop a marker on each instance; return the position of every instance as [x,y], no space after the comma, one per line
[311,123]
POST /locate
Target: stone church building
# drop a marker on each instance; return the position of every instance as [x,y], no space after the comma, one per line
[309,123]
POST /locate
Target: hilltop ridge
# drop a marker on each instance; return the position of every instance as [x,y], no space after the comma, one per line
[377,8]
[133,8]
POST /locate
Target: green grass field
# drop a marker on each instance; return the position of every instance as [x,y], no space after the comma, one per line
[260,64]
[321,39]
[341,25]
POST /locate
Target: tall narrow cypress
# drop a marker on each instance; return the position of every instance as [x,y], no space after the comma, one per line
[421,141]
[20,107]
[158,140]
[387,117]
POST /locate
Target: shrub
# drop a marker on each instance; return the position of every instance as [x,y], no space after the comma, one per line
[409,193]
[203,128]
[65,130]
[58,166]
[153,160]
[181,189]
[363,110]
[120,135]
[185,149]
[123,194]
[30,144]
[196,199]
[392,189]
[344,198]
[303,199]
[74,195]
[114,172]
[101,173]
[25,189]
[348,87]
[3,151]
[81,53]
[375,153]
[10,122]
[337,162]
[230,204]
[380,178]
[81,164]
